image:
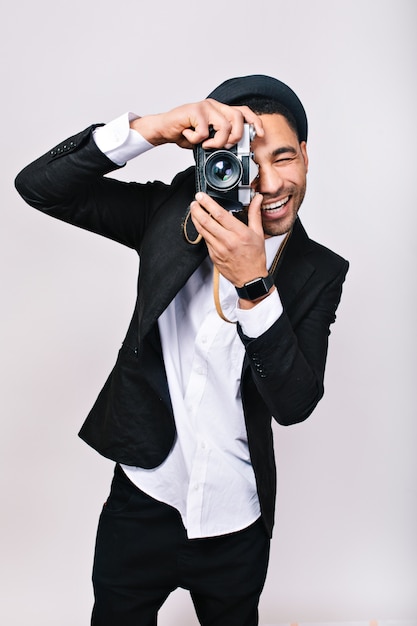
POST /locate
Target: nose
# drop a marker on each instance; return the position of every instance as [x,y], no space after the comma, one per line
[268,181]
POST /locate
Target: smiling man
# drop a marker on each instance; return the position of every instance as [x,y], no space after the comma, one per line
[186,412]
[283,164]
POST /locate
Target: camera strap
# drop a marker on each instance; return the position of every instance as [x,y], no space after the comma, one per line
[189,230]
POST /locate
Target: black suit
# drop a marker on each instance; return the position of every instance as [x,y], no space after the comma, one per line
[132,420]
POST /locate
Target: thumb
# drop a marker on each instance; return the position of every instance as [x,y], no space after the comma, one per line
[254,214]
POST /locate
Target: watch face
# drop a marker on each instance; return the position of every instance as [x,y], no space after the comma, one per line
[255,288]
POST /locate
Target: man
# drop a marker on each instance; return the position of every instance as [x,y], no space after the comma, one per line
[186,412]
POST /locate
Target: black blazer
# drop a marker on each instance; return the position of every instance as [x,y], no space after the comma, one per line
[132,420]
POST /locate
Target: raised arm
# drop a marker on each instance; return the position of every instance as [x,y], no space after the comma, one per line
[69,181]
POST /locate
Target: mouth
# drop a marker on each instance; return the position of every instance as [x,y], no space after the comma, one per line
[275,207]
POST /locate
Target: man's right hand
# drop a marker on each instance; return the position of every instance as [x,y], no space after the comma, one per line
[188,125]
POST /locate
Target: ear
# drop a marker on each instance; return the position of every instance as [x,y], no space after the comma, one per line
[303,148]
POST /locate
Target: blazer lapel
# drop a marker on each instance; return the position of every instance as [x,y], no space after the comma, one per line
[167,259]
[294,269]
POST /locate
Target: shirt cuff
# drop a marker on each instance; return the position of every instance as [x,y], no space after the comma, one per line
[256,321]
[118,141]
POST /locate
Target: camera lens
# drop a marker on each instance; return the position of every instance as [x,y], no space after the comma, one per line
[223,170]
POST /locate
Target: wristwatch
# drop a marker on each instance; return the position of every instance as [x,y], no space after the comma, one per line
[256,288]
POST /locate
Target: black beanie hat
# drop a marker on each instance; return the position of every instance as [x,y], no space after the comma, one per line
[236,90]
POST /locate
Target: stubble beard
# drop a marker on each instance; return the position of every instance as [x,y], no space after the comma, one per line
[283,225]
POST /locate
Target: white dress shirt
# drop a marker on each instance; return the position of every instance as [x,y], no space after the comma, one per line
[207,476]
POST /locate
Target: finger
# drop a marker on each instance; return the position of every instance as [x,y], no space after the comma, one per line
[205,222]
[252,118]
[205,115]
[200,133]
[234,129]
[227,123]
[216,236]
[255,214]
[236,116]
[198,130]
[219,216]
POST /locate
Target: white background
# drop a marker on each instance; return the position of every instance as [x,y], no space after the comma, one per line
[345,540]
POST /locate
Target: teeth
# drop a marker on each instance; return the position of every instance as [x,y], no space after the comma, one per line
[275,205]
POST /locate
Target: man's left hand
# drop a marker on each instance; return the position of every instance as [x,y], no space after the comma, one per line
[237,250]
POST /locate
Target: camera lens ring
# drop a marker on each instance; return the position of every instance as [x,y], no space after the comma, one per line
[223,170]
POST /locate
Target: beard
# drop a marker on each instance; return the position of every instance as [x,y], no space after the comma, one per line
[281,225]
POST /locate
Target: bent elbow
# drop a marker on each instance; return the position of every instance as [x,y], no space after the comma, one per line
[301,408]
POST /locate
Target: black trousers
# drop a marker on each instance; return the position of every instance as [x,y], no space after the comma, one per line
[143,554]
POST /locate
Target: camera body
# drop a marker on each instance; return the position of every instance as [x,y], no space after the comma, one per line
[227,174]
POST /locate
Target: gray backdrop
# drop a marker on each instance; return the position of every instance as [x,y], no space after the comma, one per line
[345,539]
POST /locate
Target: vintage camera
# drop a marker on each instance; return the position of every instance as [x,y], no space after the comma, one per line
[227,174]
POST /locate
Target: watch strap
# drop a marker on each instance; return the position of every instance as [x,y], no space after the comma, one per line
[255,289]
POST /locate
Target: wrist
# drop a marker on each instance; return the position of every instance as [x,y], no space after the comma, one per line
[255,290]
[245,305]
[147,127]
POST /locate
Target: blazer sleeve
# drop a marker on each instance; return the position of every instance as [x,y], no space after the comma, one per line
[287,362]
[69,183]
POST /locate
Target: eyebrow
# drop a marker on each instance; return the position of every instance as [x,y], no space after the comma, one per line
[283,150]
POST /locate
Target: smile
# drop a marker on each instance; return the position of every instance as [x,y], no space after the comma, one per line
[275,206]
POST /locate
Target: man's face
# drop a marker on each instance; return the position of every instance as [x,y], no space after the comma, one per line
[283,164]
